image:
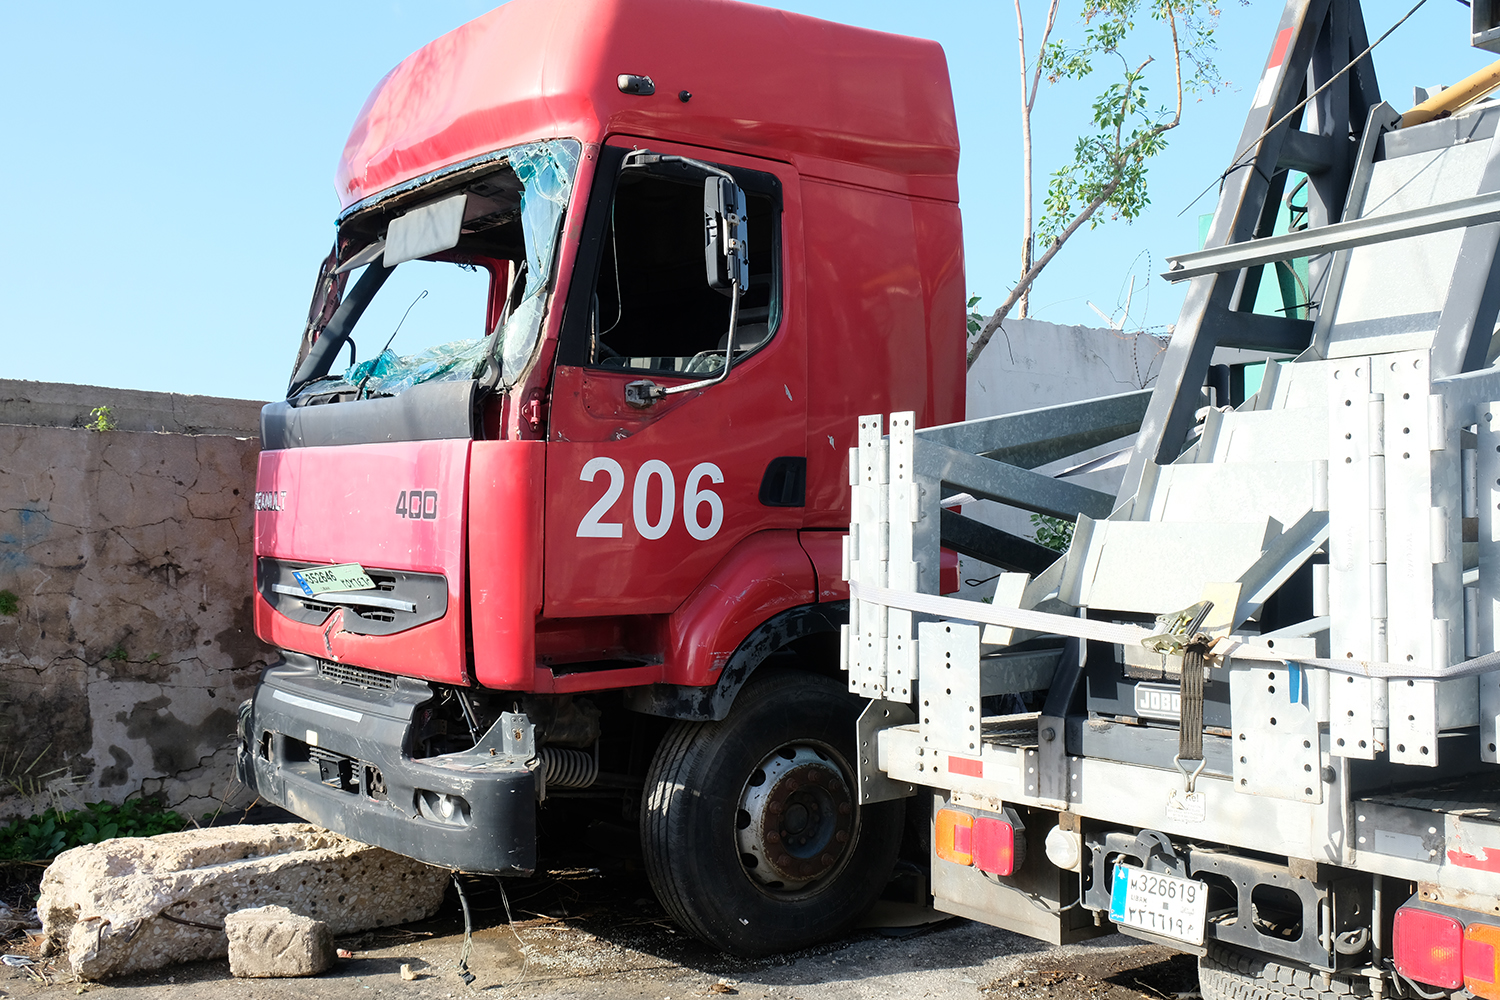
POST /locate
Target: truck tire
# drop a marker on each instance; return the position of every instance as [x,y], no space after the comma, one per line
[752,830]
[1230,974]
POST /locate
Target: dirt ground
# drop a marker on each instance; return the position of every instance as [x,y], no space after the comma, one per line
[584,932]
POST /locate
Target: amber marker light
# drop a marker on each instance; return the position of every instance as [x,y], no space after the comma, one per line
[1481,976]
[953,836]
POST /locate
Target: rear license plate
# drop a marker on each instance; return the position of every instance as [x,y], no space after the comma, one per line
[1162,904]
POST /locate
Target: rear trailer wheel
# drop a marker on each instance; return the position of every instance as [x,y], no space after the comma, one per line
[1229,974]
[754,837]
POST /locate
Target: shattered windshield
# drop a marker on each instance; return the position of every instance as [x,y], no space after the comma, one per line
[441,286]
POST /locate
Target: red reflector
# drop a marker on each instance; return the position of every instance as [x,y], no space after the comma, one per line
[961,765]
[1428,947]
[952,836]
[1481,977]
[948,569]
[994,846]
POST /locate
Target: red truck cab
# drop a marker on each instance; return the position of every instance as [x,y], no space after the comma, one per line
[596,545]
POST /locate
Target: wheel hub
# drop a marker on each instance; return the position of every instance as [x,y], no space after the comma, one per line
[796,817]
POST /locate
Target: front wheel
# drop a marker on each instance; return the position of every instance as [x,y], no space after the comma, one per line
[754,837]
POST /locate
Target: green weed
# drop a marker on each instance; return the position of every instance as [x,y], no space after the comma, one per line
[101,419]
[48,834]
[1052,532]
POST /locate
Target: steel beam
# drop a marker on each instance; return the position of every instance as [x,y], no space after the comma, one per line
[1473,211]
[1246,182]
[978,540]
[1031,438]
[992,480]
[1473,301]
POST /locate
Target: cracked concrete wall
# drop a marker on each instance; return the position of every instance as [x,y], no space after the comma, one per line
[130,644]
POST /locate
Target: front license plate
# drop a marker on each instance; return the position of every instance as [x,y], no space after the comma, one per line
[1162,904]
[317,580]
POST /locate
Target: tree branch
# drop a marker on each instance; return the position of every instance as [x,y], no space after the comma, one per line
[1176,62]
[998,316]
[1023,286]
[1028,101]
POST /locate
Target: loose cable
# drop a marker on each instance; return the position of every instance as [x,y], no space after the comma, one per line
[1235,164]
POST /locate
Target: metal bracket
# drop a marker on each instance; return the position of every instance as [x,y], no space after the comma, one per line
[874,784]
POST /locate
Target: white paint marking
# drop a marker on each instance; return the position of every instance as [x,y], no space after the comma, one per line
[1267,83]
[318,706]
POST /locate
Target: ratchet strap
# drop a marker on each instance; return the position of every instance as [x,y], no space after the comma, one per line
[1230,647]
[1190,687]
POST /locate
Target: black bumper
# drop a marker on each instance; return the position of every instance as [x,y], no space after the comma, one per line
[333,753]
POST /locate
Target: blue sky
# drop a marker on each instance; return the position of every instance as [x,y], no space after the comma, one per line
[170,167]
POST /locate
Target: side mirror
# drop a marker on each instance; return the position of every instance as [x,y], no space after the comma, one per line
[726,244]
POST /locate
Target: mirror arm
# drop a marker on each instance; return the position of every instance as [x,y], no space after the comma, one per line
[646,158]
[734,310]
[643,393]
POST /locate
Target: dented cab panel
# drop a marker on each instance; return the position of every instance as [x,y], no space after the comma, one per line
[398,511]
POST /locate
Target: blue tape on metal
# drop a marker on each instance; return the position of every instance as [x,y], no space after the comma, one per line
[1117,894]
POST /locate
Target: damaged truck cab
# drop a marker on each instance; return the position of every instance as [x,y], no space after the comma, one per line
[587,544]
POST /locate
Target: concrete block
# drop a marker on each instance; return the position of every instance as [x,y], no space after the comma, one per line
[268,942]
[142,903]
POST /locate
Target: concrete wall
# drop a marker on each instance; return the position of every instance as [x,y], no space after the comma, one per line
[1029,363]
[129,555]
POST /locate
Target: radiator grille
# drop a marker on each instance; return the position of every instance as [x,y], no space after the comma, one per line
[342,673]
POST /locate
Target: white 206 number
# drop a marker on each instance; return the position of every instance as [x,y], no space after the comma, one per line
[694,499]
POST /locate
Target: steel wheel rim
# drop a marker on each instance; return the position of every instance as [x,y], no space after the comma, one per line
[796,818]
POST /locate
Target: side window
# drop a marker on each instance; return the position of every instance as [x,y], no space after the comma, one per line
[652,308]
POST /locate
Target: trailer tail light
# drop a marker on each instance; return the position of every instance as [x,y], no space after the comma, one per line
[1481,974]
[1429,946]
[994,843]
[986,841]
[953,836]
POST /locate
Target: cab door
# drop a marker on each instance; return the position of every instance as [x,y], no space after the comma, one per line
[643,501]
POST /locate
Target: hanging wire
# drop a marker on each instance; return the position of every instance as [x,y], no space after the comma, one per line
[525,951]
[463,956]
[1237,165]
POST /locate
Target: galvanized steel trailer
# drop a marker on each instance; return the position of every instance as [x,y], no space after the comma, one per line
[1262,684]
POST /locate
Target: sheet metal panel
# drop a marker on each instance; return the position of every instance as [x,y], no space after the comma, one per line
[1488,606]
[1393,293]
[948,709]
[1276,749]
[869,543]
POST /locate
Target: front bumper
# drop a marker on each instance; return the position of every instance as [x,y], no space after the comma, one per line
[333,753]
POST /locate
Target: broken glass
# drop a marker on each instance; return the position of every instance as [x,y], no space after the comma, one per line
[545,172]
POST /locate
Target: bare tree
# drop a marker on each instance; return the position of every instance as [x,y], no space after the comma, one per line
[1028,101]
